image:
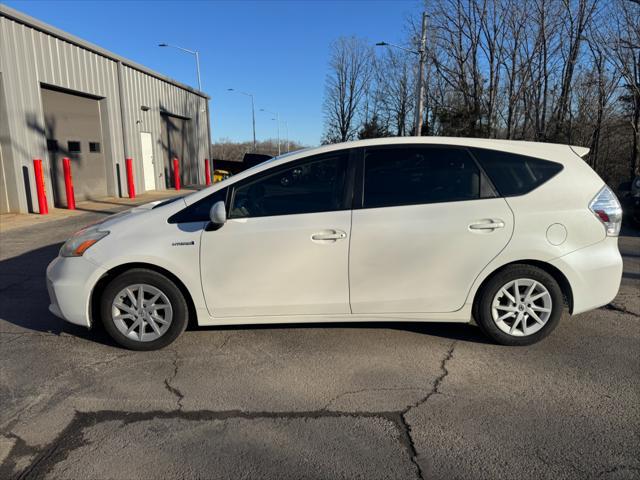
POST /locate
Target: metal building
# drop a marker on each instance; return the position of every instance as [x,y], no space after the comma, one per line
[63,97]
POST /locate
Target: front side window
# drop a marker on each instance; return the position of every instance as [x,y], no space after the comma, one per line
[310,186]
[412,175]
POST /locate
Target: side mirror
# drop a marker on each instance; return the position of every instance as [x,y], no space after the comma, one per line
[218,215]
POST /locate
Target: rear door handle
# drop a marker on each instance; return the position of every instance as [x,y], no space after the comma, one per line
[328,235]
[487,225]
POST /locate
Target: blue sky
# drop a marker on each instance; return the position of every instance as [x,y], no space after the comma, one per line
[278,50]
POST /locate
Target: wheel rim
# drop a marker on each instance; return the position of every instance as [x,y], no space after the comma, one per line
[141,312]
[521,307]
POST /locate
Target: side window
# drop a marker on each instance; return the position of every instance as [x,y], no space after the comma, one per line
[314,185]
[515,174]
[199,211]
[418,174]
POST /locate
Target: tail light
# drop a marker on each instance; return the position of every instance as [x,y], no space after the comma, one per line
[607,208]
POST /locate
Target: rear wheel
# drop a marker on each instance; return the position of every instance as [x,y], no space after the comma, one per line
[143,310]
[520,305]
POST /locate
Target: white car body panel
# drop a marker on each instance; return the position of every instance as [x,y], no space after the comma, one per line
[422,258]
[268,270]
[276,268]
[594,274]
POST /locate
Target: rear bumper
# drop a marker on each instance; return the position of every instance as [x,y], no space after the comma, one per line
[594,273]
[69,283]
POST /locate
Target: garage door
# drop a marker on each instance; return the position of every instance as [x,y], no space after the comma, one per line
[73,129]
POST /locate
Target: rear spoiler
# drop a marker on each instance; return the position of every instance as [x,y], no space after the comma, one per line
[580,151]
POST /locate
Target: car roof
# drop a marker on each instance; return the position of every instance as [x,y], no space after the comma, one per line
[514,146]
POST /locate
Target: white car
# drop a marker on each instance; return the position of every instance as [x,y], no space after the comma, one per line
[439,229]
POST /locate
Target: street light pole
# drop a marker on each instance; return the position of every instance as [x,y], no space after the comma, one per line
[253,115]
[286,127]
[192,52]
[198,70]
[422,54]
[286,133]
[278,122]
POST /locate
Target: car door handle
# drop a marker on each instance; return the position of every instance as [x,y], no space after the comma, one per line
[328,235]
[487,225]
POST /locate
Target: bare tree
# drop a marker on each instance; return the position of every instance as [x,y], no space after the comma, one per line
[346,85]
[625,54]
[564,71]
[227,149]
[395,89]
[577,15]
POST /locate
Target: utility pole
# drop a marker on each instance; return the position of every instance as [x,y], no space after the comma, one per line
[420,87]
[422,57]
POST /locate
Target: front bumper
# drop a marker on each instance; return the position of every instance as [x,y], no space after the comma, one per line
[594,273]
[70,281]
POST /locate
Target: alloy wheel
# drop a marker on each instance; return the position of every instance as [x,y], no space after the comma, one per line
[521,307]
[141,312]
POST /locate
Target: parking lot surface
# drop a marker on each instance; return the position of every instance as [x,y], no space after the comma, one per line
[372,400]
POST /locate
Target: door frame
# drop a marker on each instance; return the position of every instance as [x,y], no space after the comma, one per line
[344,210]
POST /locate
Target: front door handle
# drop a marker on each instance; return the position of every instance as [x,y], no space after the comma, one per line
[328,235]
[487,225]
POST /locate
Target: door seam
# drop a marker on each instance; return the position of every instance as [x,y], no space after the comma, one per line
[349,261]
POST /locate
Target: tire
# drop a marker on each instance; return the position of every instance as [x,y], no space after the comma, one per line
[169,305]
[496,313]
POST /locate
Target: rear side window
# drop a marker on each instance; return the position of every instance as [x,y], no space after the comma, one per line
[199,211]
[515,174]
[314,185]
[419,174]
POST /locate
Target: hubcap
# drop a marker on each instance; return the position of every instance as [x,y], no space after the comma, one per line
[521,307]
[141,312]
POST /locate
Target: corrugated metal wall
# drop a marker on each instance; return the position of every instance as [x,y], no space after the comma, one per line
[30,58]
[141,90]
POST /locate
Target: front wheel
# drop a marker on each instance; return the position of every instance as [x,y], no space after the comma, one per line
[143,310]
[520,305]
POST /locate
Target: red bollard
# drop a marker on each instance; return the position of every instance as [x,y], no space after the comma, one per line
[176,174]
[68,184]
[130,185]
[207,172]
[42,194]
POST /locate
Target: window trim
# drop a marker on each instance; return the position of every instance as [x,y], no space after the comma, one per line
[360,187]
[347,192]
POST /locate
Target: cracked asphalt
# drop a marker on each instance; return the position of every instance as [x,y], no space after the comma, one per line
[372,400]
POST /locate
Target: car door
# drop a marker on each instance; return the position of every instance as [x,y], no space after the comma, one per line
[284,248]
[429,221]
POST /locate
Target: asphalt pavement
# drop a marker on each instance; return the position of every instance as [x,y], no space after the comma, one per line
[370,400]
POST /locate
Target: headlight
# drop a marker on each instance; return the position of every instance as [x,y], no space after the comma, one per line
[81,241]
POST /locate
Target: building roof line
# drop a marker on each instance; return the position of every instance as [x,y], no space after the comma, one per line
[36,24]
